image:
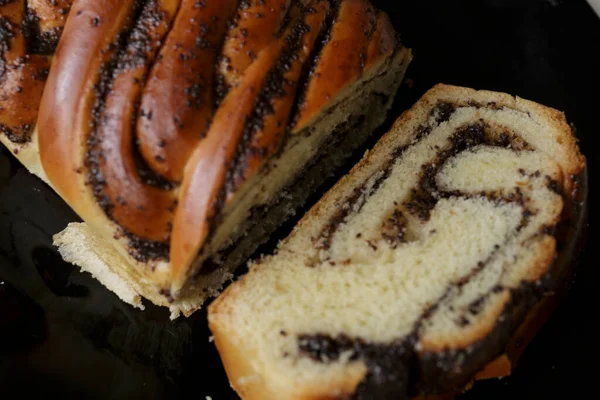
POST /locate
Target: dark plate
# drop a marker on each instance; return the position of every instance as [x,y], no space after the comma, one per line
[61,333]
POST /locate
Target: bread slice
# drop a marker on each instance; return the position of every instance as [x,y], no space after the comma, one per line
[184,133]
[413,272]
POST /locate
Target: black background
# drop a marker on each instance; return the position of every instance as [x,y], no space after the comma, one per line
[62,334]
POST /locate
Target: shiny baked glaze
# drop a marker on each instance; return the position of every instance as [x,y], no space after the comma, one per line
[204,189]
[22,75]
[178,98]
[66,108]
[29,30]
[164,154]
[254,27]
[140,208]
[342,59]
[272,110]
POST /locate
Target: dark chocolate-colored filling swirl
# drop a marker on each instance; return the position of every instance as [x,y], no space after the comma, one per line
[356,201]
[426,194]
[397,370]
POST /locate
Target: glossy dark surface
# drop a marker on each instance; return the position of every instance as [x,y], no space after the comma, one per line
[62,334]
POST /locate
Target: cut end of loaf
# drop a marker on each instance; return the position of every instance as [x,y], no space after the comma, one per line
[419,265]
[77,245]
[81,246]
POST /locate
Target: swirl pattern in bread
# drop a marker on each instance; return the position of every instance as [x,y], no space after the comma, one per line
[417,268]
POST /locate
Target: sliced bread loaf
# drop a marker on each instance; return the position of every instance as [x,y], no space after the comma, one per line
[415,271]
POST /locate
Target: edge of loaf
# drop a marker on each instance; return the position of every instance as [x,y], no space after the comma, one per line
[297,327]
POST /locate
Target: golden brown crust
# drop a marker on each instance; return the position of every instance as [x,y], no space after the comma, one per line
[256,24]
[269,137]
[141,209]
[206,171]
[69,96]
[178,100]
[383,41]
[202,192]
[22,76]
[342,59]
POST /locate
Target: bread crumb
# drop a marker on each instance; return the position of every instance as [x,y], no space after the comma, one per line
[208,398]
[211,339]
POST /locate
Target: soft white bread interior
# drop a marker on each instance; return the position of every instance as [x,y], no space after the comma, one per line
[416,269]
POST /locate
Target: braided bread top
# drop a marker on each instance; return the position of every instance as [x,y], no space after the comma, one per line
[157,114]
